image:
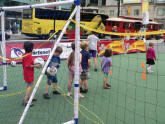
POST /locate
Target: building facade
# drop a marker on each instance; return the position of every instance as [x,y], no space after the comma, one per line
[13,18]
[128,9]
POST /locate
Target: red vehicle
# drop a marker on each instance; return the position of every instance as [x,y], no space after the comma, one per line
[127,24]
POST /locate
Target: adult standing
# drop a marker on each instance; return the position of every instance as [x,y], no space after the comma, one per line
[93,39]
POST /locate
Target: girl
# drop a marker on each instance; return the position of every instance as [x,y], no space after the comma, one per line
[106,64]
[150,56]
[71,68]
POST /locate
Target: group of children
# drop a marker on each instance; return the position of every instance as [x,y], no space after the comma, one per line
[85,65]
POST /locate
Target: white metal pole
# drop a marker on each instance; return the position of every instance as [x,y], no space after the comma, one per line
[40,5]
[3,49]
[77,63]
[44,69]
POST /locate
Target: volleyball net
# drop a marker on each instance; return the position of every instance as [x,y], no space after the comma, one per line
[134,97]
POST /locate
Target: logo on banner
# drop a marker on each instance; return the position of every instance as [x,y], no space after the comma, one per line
[41,52]
[16,52]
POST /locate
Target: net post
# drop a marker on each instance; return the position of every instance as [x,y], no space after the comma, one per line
[77,63]
[44,69]
[3,46]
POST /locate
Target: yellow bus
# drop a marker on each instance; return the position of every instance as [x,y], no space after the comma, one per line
[44,22]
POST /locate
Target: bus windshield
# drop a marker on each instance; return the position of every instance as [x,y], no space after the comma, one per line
[27,14]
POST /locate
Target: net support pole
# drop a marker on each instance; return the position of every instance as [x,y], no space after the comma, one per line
[77,63]
[44,69]
[52,4]
[3,47]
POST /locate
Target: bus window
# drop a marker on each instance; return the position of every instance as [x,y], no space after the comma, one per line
[138,25]
[131,26]
[113,24]
[51,14]
[125,25]
[117,24]
[109,23]
[27,14]
[149,27]
[155,27]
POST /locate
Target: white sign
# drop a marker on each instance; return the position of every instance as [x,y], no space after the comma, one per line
[17,52]
[41,52]
[66,47]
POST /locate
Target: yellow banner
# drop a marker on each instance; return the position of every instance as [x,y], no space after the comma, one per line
[137,46]
[116,46]
[145,6]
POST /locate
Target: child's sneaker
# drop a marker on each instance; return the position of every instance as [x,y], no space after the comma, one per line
[80,95]
[46,96]
[34,100]
[81,90]
[25,103]
[69,94]
[56,92]
[108,85]
[85,91]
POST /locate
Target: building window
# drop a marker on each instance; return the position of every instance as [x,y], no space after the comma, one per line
[102,12]
[103,2]
[94,2]
[161,12]
[112,12]
[124,12]
[136,12]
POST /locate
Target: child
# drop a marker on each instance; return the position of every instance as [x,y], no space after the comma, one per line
[106,64]
[54,63]
[71,68]
[150,56]
[93,39]
[28,70]
[86,64]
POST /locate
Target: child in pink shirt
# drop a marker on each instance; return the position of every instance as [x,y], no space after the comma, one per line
[150,56]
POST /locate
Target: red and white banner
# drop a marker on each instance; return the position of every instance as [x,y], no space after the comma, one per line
[14,51]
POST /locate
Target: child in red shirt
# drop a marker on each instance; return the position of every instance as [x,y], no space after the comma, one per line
[28,70]
[150,56]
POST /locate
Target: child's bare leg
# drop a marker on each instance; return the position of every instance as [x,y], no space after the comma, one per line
[70,82]
[95,61]
[105,82]
[86,84]
[55,86]
[47,89]
[28,92]
[81,83]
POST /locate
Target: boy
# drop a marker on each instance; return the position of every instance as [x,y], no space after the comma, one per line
[93,39]
[28,70]
[85,64]
[54,63]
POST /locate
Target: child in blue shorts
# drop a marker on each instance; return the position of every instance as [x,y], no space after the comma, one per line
[54,63]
